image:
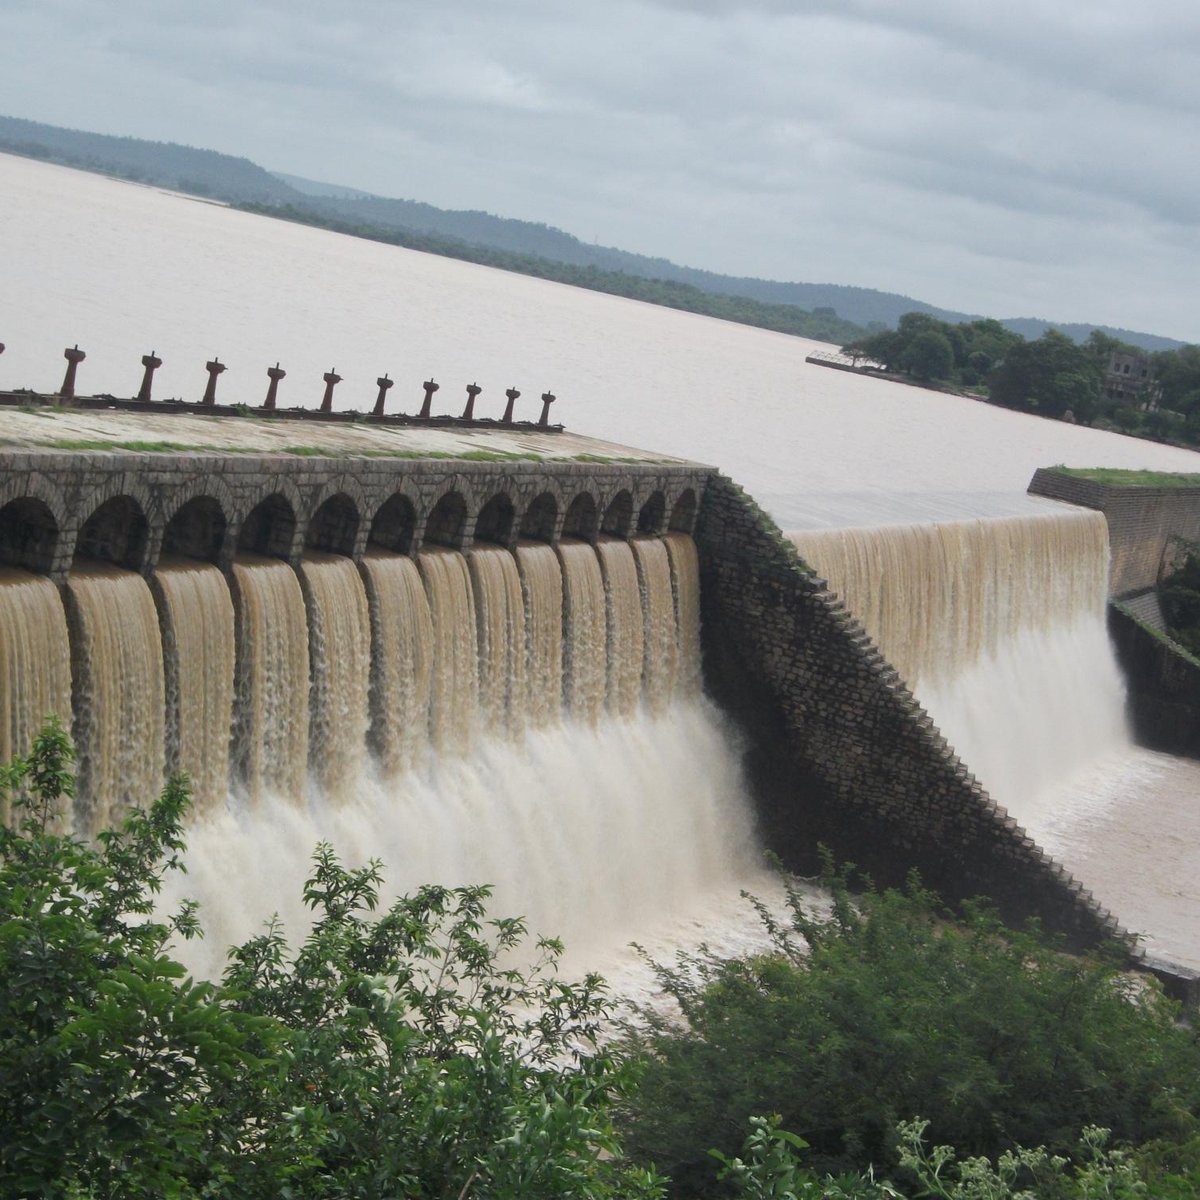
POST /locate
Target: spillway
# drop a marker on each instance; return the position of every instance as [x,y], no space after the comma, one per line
[531,719]
[35,661]
[117,668]
[998,626]
[270,720]
[339,659]
[401,659]
[197,623]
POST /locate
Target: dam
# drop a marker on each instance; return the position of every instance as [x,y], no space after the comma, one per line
[496,667]
[831,741]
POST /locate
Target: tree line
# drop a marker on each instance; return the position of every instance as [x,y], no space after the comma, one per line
[1052,376]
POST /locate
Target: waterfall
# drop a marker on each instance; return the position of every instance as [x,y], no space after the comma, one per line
[464,717]
[401,659]
[197,628]
[542,589]
[660,659]
[685,586]
[35,662]
[117,668]
[500,617]
[270,729]
[998,627]
[339,654]
[584,623]
[623,624]
[454,694]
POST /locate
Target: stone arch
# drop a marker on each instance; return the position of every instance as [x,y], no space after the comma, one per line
[447,521]
[618,515]
[270,528]
[540,518]
[334,525]
[683,512]
[197,529]
[118,532]
[394,524]
[29,535]
[16,485]
[582,519]
[496,520]
[652,514]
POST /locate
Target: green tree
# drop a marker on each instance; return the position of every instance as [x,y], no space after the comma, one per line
[884,347]
[108,1053]
[929,356]
[398,1054]
[1048,377]
[886,1009]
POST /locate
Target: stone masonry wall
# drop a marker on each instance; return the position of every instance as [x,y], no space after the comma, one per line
[1164,683]
[837,748]
[1142,521]
[49,498]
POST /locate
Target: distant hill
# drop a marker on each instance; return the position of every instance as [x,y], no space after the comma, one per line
[184,168]
[826,311]
[312,187]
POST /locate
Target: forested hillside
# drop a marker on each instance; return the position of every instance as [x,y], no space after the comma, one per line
[200,172]
[827,312]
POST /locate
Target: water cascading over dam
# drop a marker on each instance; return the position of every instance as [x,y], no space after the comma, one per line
[527,718]
[998,626]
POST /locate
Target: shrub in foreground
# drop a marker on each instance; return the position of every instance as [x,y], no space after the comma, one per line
[885,1009]
[387,1056]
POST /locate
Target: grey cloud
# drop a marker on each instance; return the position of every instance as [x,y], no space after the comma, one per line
[935,147]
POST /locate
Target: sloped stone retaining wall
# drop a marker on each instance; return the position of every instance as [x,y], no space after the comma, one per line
[839,751]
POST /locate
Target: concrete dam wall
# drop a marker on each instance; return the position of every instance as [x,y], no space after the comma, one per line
[838,750]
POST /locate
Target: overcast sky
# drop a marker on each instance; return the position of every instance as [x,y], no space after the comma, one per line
[1014,159]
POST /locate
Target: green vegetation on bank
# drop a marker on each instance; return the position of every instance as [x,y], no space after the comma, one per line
[1120,477]
[1179,595]
[1088,383]
[400,1052]
[885,1009]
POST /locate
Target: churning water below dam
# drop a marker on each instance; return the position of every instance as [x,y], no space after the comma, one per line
[121,269]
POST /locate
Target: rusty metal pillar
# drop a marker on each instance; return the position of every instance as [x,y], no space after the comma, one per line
[548,399]
[332,379]
[214,369]
[512,395]
[274,374]
[430,387]
[384,383]
[151,362]
[473,390]
[74,357]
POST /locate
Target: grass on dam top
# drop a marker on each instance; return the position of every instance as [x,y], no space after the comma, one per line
[45,428]
[1115,477]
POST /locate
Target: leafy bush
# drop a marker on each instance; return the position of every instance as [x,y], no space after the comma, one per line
[1180,597]
[387,1056]
[885,1009]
